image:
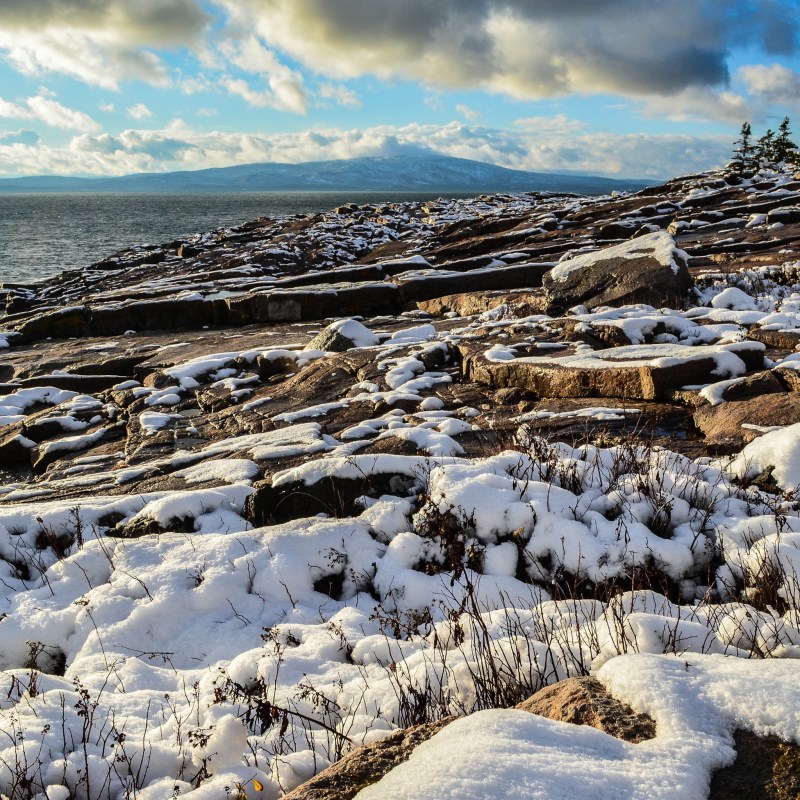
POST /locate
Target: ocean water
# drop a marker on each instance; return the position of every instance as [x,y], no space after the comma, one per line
[44,234]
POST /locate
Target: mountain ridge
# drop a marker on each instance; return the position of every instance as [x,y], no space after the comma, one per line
[374,173]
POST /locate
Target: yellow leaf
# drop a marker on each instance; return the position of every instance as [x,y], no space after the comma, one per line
[258,786]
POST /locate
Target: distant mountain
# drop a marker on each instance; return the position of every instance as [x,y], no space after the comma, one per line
[412,173]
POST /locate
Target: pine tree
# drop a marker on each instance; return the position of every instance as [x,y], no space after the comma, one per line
[765,149]
[783,144]
[743,154]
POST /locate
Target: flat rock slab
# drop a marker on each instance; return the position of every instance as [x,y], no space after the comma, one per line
[722,424]
[644,372]
[780,339]
[577,419]
[523,302]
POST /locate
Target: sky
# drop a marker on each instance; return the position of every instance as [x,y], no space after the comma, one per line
[623,88]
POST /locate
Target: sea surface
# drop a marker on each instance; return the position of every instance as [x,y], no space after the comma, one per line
[43,234]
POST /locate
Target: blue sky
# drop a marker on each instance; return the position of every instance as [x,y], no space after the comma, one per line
[626,88]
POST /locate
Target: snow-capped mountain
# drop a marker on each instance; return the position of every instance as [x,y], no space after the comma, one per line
[417,172]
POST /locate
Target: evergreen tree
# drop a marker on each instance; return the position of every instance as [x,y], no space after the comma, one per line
[743,154]
[783,143]
[765,149]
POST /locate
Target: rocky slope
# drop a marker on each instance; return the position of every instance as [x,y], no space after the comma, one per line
[339,434]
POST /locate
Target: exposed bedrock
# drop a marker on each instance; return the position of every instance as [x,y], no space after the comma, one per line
[635,373]
[649,269]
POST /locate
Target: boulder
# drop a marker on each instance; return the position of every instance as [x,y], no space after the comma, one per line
[146,526]
[580,701]
[366,765]
[85,384]
[617,230]
[786,215]
[788,377]
[649,269]
[761,383]
[419,286]
[344,334]
[15,449]
[62,323]
[520,303]
[585,701]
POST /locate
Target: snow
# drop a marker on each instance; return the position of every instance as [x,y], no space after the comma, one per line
[420,333]
[727,361]
[154,421]
[172,610]
[319,410]
[599,413]
[735,299]
[358,334]
[73,442]
[14,406]
[433,442]
[639,323]
[714,392]
[224,470]
[447,564]
[695,702]
[778,449]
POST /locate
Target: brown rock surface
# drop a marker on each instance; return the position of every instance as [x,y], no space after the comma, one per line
[766,768]
[608,376]
[585,701]
[722,424]
[366,765]
[640,274]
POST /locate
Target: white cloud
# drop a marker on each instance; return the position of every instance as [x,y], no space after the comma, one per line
[469,114]
[196,84]
[433,100]
[51,112]
[139,111]
[100,42]
[339,95]
[107,107]
[559,125]
[531,145]
[284,87]
[81,55]
[696,104]
[282,96]
[19,137]
[774,82]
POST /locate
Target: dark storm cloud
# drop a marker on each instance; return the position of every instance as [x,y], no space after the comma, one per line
[148,22]
[527,47]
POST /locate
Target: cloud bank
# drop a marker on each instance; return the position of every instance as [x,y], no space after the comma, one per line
[101,42]
[525,48]
[537,144]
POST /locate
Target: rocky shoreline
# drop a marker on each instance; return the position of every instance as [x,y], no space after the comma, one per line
[328,394]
